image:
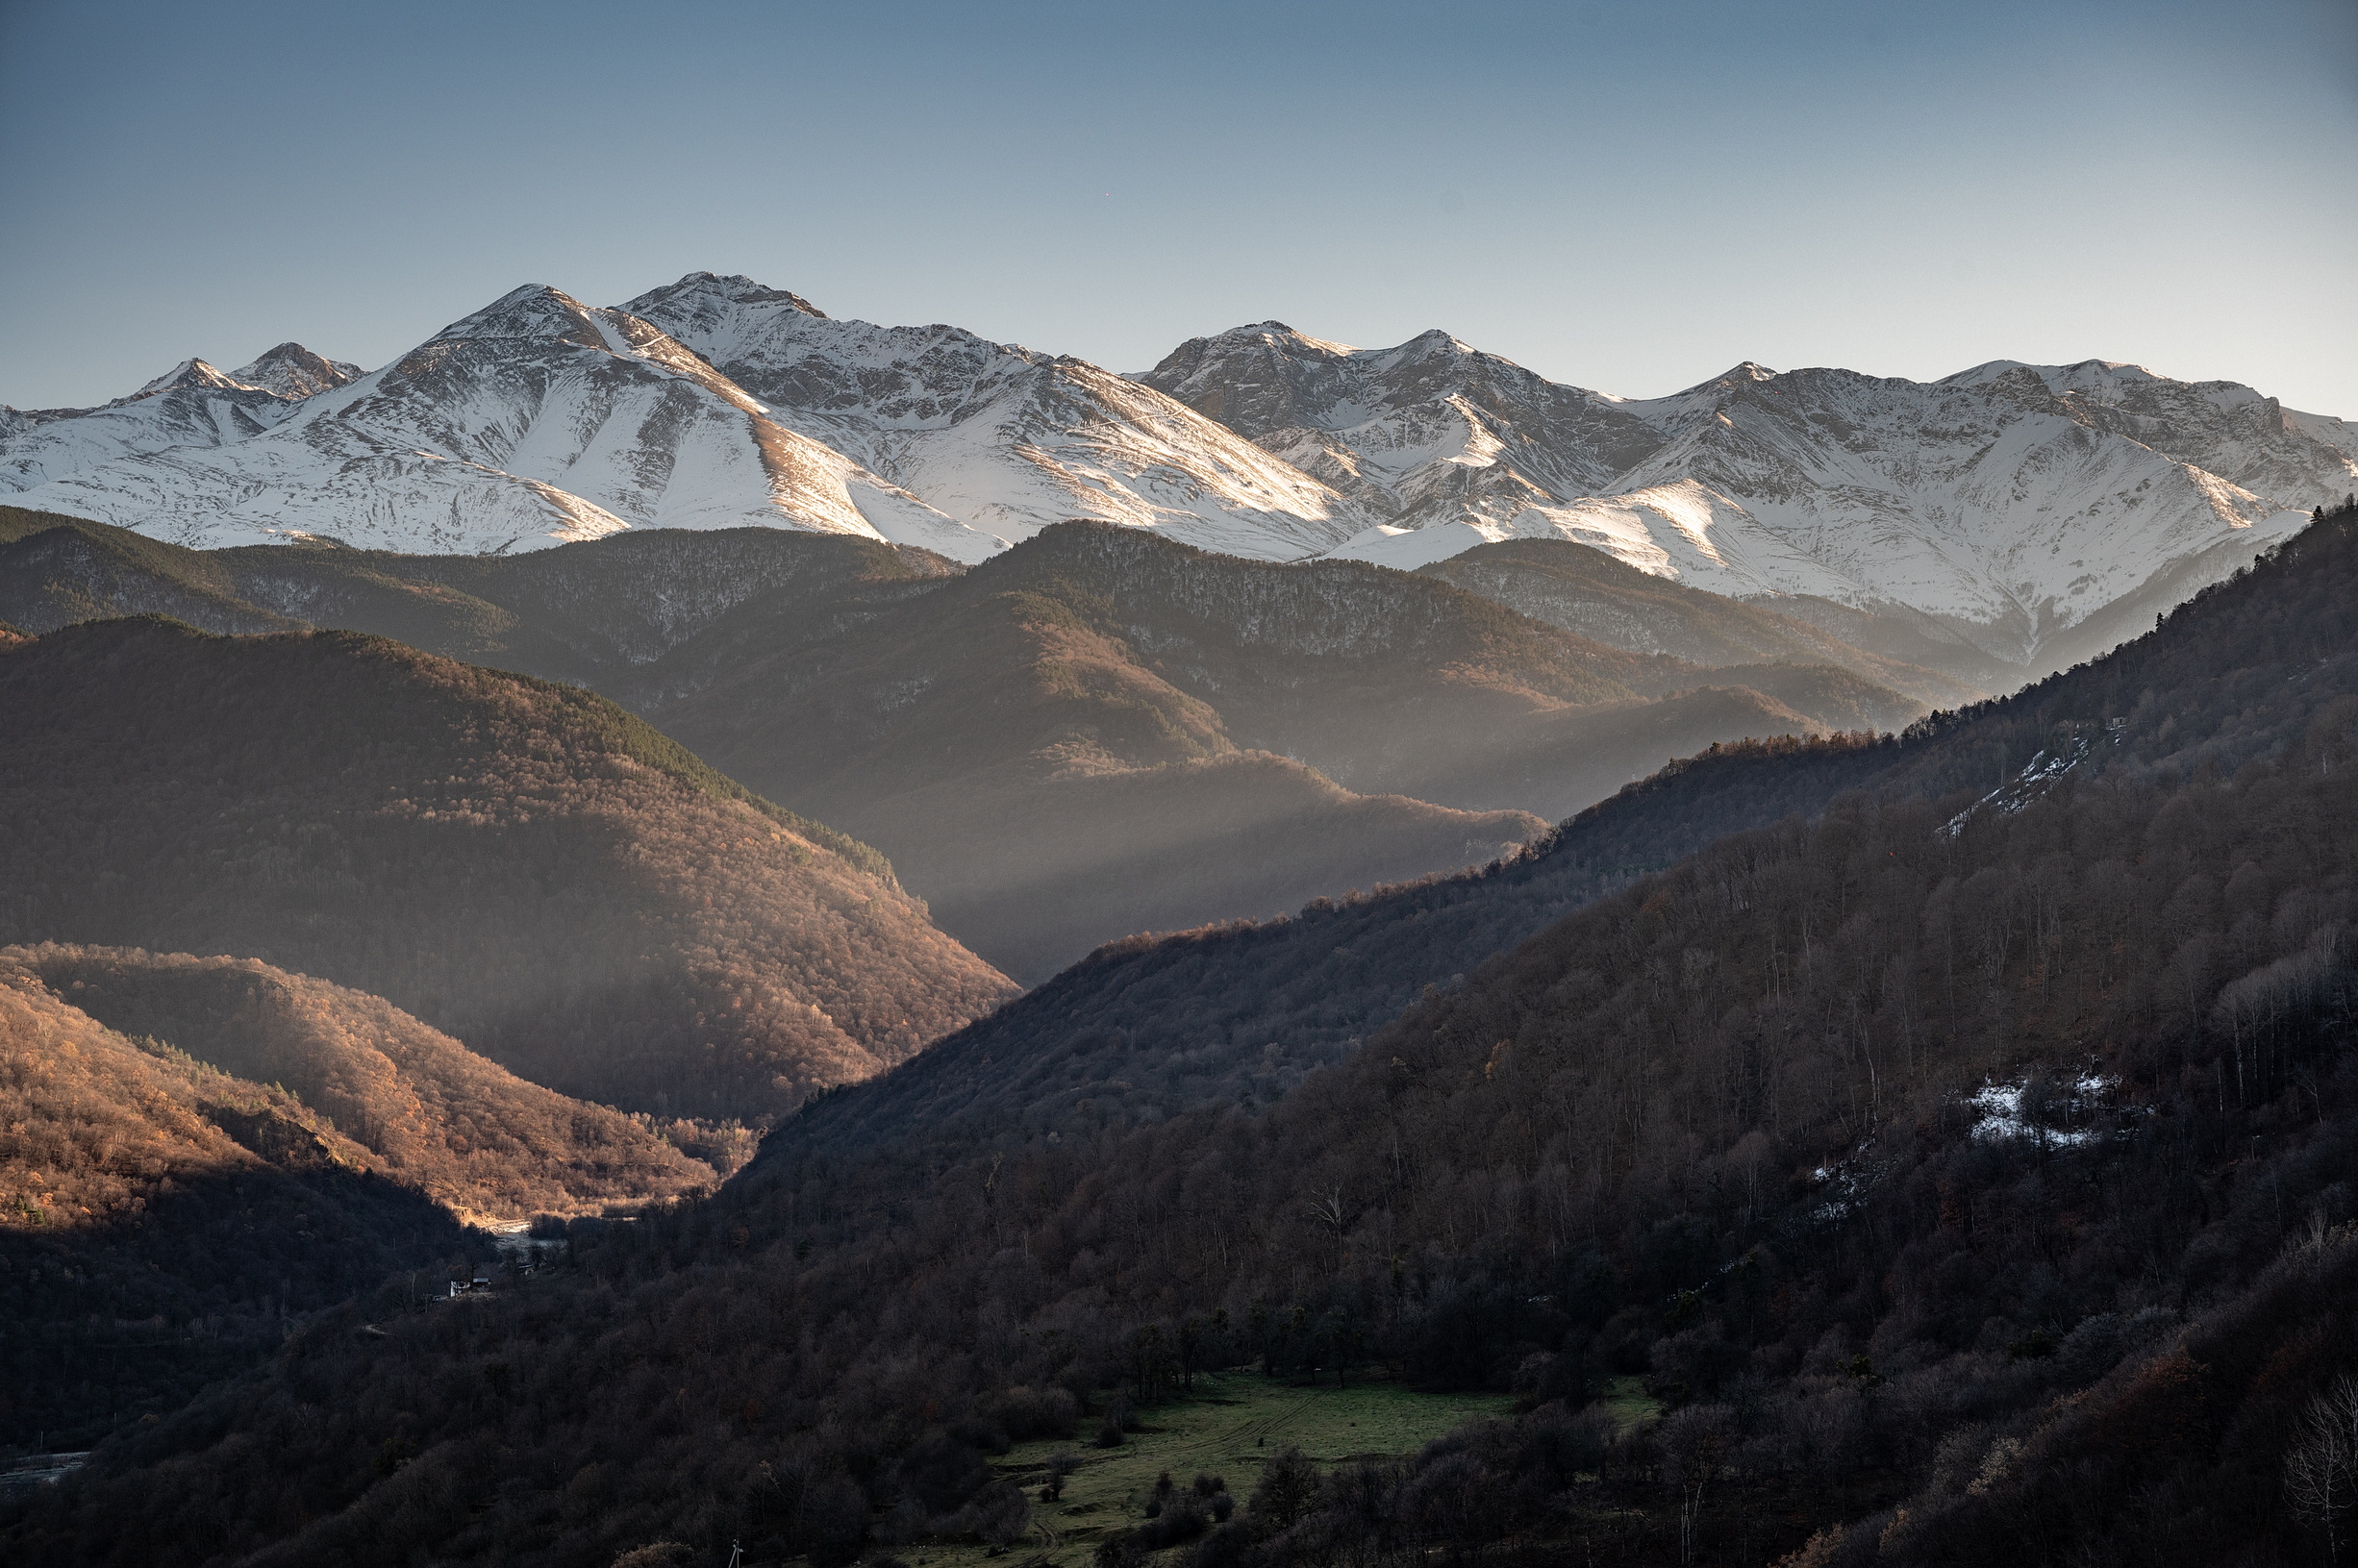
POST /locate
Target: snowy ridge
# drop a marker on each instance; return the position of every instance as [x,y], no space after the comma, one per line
[191,405]
[1005,439]
[534,421]
[2011,501]
[294,371]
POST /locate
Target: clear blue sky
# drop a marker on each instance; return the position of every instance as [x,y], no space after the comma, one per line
[1631,196]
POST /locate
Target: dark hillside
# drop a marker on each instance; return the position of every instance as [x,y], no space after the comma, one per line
[1042,785]
[984,729]
[1238,1013]
[58,570]
[2237,673]
[601,612]
[160,1222]
[992,736]
[523,865]
[1951,1180]
[593,613]
[1375,678]
[1033,867]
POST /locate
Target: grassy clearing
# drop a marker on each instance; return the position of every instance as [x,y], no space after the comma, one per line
[1629,1404]
[1231,1426]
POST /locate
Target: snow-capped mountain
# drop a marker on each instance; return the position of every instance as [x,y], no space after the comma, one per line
[291,370]
[1005,439]
[1422,432]
[191,405]
[2008,501]
[534,421]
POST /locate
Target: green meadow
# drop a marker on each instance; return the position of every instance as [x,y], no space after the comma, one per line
[1229,1428]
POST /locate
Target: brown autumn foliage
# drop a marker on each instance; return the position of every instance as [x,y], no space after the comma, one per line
[159,1220]
[421,1109]
[520,864]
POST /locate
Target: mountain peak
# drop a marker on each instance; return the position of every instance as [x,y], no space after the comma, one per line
[532,310]
[1749,373]
[294,371]
[713,290]
[188,373]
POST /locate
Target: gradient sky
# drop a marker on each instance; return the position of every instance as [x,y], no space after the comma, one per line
[1631,197]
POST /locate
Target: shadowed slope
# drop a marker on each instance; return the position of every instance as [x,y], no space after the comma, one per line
[595,613]
[1043,784]
[1585,590]
[521,864]
[1247,1009]
[158,1219]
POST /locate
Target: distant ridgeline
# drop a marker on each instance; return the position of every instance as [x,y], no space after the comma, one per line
[1957,1154]
[1098,733]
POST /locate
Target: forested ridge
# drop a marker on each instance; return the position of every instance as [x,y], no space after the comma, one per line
[1097,734]
[417,1106]
[191,1149]
[521,865]
[1967,1169]
[161,1223]
[596,613]
[1243,1009]
[1596,595]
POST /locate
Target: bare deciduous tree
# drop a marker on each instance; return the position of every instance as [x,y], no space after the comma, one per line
[2320,1469]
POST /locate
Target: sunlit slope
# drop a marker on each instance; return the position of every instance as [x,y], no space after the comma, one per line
[416,1106]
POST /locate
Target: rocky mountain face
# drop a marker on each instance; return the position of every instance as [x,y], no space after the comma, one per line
[191,405]
[1003,438]
[2010,504]
[532,422]
[2002,521]
[294,371]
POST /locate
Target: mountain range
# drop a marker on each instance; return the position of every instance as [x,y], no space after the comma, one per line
[894,900]
[2023,516]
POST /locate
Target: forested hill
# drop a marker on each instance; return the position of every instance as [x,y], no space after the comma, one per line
[159,1221]
[524,866]
[190,1149]
[1600,596]
[1953,1179]
[415,1104]
[596,614]
[1056,746]
[1097,732]
[1239,1013]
